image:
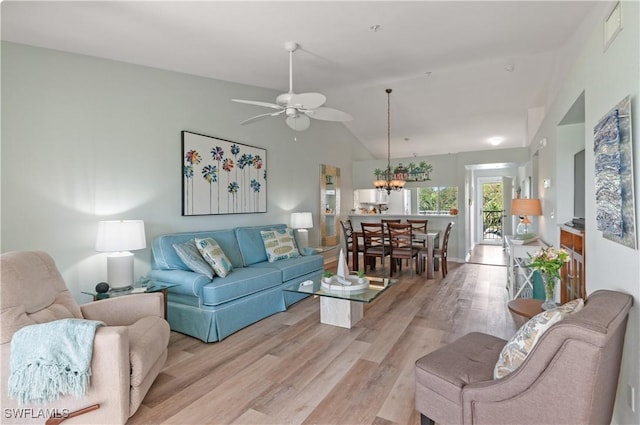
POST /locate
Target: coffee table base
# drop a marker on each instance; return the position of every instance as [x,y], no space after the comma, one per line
[337,312]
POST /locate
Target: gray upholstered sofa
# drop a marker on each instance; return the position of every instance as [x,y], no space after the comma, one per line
[212,309]
[569,377]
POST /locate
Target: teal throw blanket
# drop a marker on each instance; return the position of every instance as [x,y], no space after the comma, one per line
[51,360]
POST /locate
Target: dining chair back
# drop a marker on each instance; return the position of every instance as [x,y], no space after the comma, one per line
[386,221]
[347,232]
[401,245]
[419,226]
[440,254]
[374,246]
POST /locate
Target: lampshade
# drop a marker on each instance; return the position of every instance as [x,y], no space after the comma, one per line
[524,207]
[301,220]
[120,235]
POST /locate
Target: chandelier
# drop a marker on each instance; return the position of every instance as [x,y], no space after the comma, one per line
[392,181]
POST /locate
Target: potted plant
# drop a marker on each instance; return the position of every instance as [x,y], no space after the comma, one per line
[548,261]
[326,277]
[361,278]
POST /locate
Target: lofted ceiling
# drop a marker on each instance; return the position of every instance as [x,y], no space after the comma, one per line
[461,72]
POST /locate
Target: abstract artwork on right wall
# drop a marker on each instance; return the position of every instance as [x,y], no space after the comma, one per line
[613,157]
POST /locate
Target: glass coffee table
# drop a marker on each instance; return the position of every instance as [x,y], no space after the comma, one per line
[340,307]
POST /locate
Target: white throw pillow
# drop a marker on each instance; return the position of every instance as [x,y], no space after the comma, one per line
[515,351]
[279,244]
[214,255]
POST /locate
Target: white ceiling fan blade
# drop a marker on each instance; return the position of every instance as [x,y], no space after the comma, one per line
[328,114]
[258,103]
[307,100]
[298,122]
[261,117]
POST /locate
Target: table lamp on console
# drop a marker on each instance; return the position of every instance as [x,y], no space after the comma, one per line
[524,208]
[118,237]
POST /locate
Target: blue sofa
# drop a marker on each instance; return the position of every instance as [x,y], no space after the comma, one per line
[211,310]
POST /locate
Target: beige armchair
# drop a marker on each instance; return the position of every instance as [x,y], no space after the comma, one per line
[570,376]
[128,353]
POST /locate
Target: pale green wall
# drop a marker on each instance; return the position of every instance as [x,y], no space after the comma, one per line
[606,77]
[86,139]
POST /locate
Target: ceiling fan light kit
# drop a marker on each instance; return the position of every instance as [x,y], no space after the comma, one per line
[297,107]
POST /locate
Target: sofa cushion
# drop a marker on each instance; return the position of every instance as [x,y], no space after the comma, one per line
[292,268]
[521,344]
[192,258]
[214,255]
[280,244]
[165,257]
[251,244]
[242,282]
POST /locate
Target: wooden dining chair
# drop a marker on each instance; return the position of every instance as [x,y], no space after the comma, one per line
[347,231]
[440,254]
[386,221]
[374,246]
[419,226]
[400,238]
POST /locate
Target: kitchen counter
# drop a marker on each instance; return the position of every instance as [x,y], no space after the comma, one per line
[405,216]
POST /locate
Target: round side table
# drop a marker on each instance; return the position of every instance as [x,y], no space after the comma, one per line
[525,307]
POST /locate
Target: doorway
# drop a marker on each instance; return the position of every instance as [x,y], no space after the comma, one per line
[490,189]
[491,202]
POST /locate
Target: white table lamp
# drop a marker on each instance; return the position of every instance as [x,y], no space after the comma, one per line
[301,221]
[119,237]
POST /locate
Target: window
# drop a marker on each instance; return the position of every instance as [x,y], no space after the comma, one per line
[437,199]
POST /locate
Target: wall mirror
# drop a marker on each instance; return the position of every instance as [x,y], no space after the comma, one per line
[329,204]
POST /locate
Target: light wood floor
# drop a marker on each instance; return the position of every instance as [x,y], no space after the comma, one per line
[489,254]
[290,369]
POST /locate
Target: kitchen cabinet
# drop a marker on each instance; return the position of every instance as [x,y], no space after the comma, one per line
[371,196]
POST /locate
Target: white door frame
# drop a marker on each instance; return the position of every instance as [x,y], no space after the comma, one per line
[480,181]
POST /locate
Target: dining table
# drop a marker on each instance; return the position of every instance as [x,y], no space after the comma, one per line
[432,238]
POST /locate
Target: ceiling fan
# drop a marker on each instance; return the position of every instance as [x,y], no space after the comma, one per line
[297,107]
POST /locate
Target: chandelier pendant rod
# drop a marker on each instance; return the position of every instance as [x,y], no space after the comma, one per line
[388,140]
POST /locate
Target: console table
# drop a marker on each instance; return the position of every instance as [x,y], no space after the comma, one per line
[573,279]
[517,265]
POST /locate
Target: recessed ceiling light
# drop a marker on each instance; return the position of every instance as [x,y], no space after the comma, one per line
[495,141]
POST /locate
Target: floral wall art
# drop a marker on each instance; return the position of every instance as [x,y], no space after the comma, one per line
[222,177]
[613,155]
